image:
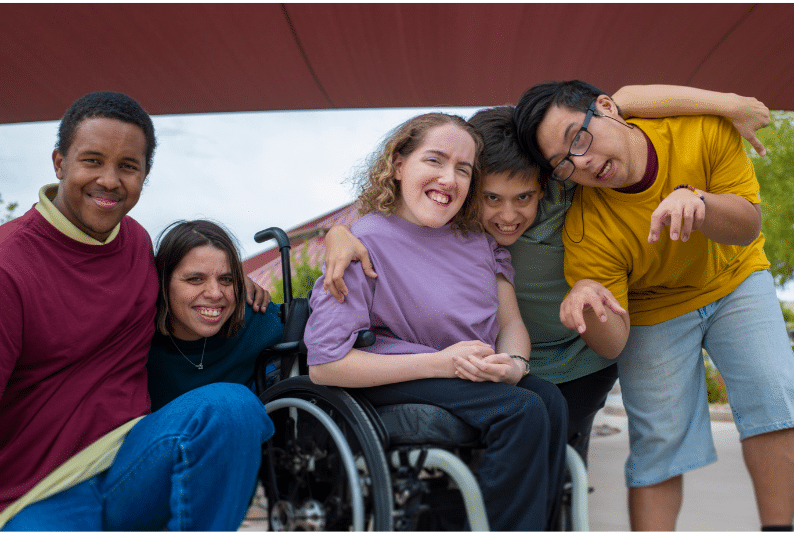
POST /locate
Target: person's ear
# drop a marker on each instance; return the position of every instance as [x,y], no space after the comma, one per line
[607,106]
[397,163]
[57,163]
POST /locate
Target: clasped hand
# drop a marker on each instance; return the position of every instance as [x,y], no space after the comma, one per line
[478,362]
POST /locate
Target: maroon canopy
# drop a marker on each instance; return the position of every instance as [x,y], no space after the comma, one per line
[188,58]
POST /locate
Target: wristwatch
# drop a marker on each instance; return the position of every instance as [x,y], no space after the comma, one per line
[525,360]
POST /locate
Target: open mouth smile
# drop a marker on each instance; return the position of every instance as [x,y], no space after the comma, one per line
[506,229]
[438,197]
[605,171]
[211,314]
[104,202]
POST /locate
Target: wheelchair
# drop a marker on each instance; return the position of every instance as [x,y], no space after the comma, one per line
[336,462]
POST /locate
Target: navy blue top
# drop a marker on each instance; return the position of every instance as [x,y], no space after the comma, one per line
[225,360]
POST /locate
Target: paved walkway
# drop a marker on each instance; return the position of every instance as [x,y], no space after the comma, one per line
[718,497]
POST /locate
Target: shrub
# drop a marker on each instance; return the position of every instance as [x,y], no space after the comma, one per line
[715,385]
[305,272]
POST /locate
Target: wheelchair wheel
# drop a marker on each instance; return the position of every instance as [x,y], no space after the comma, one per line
[324,468]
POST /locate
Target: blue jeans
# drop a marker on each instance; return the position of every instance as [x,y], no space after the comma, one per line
[191,465]
[521,471]
[585,397]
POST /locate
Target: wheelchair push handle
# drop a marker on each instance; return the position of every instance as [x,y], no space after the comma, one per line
[277,234]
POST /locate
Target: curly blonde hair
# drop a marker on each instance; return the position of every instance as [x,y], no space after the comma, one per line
[380,192]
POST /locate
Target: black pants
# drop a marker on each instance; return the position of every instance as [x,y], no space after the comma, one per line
[585,396]
[523,430]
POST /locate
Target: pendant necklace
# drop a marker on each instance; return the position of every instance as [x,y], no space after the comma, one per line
[200,366]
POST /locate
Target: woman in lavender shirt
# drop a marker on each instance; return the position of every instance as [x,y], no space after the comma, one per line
[444,311]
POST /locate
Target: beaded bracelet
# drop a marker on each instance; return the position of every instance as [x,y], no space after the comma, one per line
[691,189]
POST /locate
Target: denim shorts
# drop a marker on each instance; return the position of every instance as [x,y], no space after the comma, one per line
[663,380]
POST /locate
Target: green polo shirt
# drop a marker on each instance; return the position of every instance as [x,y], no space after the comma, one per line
[558,354]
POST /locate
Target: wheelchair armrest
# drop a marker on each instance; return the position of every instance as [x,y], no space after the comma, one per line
[284,347]
[365,338]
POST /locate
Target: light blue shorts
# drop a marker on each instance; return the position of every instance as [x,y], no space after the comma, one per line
[663,380]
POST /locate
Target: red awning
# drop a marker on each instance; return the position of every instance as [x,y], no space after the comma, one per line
[190,58]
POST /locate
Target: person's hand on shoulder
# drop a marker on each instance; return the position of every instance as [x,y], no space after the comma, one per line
[749,116]
[256,296]
[342,248]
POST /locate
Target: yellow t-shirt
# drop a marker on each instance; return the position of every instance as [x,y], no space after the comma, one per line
[606,236]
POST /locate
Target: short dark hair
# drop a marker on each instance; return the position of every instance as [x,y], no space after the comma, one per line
[501,152]
[176,241]
[110,105]
[533,105]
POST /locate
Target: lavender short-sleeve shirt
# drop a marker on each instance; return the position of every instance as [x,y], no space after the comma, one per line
[434,288]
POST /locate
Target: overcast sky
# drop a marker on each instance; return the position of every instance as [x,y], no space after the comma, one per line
[249,171]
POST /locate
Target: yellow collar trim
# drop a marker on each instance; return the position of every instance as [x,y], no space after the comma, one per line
[51,213]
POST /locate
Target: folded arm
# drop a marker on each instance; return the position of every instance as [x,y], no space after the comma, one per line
[364,369]
[747,113]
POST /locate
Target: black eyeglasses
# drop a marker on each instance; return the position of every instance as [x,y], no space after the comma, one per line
[579,146]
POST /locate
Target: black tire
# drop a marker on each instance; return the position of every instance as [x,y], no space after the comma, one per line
[302,464]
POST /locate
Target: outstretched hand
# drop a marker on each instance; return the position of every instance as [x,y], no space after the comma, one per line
[682,210]
[342,248]
[587,295]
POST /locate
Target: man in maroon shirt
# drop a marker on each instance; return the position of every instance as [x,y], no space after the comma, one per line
[78,286]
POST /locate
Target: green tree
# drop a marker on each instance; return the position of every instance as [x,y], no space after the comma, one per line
[305,273]
[788,313]
[10,208]
[775,174]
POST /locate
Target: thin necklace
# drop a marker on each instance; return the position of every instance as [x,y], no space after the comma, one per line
[200,366]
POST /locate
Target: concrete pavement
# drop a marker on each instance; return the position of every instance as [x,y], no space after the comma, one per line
[718,497]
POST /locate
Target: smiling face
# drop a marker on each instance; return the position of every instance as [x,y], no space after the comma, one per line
[201,293]
[101,176]
[435,177]
[509,205]
[615,159]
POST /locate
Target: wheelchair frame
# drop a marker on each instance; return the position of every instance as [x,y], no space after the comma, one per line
[336,467]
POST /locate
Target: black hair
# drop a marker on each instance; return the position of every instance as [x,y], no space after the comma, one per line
[110,105]
[176,241]
[533,105]
[501,152]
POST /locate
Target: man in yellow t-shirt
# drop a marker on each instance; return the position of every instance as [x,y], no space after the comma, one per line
[654,297]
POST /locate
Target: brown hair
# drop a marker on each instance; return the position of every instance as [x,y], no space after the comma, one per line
[379,191]
[176,241]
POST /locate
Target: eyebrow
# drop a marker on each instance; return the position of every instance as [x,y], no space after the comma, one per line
[197,272]
[528,191]
[91,152]
[565,138]
[445,155]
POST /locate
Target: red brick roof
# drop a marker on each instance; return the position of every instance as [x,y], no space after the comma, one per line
[310,237]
